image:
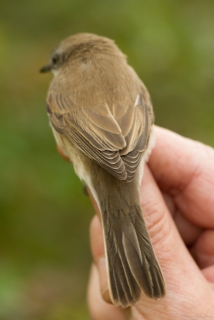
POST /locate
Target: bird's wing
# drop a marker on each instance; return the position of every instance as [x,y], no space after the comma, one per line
[136,131]
[115,140]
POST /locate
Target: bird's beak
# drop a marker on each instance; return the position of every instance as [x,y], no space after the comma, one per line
[46,68]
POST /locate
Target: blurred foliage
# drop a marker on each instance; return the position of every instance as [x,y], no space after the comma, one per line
[44,215]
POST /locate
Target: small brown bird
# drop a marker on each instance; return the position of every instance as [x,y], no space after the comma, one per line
[102,118]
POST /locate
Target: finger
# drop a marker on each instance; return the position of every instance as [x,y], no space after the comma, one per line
[97,241]
[188,231]
[94,203]
[59,149]
[209,274]
[99,309]
[162,230]
[184,169]
[97,248]
[203,250]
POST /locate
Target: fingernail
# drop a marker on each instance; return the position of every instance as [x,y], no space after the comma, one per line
[101,266]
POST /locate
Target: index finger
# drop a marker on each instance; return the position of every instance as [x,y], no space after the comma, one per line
[184,169]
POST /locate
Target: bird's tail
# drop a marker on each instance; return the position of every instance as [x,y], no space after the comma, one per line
[131,262]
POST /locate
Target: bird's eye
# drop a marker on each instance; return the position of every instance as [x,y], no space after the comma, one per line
[55,59]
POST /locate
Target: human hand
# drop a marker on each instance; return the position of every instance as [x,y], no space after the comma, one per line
[177,197]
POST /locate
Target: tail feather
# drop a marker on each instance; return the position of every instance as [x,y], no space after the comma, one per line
[129,283]
[157,279]
[138,266]
[132,264]
[123,287]
[130,241]
[120,293]
[123,295]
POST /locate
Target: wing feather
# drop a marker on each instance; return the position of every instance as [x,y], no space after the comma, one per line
[114,138]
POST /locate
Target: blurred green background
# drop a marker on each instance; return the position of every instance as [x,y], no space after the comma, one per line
[44,215]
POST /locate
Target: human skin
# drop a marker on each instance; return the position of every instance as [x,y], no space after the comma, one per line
[177,198]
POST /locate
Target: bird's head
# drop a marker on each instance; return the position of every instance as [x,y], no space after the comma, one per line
[82,46]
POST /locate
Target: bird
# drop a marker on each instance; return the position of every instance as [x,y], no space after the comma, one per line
[102,119]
